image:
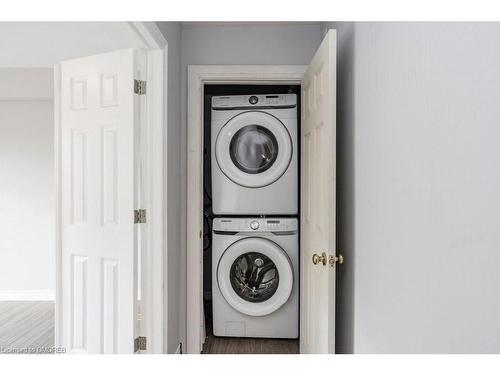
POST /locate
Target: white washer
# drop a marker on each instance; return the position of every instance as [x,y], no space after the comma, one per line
[254,155]
[255,277]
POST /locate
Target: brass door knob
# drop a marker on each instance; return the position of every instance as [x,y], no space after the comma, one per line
[340,259]
[319,259]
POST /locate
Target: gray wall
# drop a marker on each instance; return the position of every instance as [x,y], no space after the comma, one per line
[27,255]
[205,44]
[249,43]
[418,187]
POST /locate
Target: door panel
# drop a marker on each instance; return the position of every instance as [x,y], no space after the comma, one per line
[99,126]
[318,158]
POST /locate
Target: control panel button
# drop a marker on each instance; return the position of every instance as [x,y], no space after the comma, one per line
[253,99]
[254,225]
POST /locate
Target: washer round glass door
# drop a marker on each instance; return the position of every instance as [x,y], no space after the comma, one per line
[255,276]
[253,149]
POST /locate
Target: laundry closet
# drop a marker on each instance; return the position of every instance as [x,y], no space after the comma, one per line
[251,208]
[260,185]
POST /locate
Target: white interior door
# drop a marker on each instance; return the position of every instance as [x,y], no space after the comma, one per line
[99,190]
[317,220]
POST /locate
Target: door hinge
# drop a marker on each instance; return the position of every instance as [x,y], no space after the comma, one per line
[139,87]
[139,216]
[139,343]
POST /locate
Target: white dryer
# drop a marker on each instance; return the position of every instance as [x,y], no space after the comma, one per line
[254,155]
[255,277]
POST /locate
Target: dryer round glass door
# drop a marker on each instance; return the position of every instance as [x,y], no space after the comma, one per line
[253,149]
[255,276]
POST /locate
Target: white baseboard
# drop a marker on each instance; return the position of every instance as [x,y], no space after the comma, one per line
[28,295]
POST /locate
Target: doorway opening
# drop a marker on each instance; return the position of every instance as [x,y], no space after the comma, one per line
[27,256]
[239,336]
[199,77]
[31,283]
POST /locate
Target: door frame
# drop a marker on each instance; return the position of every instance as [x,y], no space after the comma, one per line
[157,58]
[198,76]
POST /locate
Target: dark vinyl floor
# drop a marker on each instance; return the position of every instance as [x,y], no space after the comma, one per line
[231,345]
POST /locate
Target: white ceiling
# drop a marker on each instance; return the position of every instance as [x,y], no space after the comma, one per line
[42,44]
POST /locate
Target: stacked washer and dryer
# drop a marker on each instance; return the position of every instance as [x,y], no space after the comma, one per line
[255,234]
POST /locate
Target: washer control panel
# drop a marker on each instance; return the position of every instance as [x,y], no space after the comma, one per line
[255,224]
[254,101]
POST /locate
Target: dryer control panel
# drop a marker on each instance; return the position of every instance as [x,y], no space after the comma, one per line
[254,101]
[255,224]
